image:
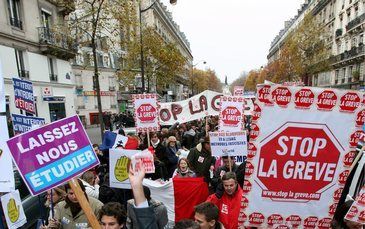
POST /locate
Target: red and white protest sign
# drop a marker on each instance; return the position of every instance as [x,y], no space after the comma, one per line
[238,90]
[356,212]
[146,112]
[299,155]
[231,114]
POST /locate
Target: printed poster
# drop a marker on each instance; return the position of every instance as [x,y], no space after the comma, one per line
[22,123]
[53,154]
[228,143]
[13,209]
[299,156]
[231,116]
[238,90]
[120,161]
[146,112]
[2,91]
[24,98]
[6,175]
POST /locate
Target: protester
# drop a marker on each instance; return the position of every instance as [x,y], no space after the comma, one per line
[160,211]
[144,213]
[183,169]
[228,201]
[91,183]
[206,215]
[53,197]
[171,150]
[161,159]
[68,213]
[189,137]
[187,224]
[108,194]
[201,160]
[227,165]
[112,216]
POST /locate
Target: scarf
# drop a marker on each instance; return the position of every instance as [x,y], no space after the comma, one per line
[154,145]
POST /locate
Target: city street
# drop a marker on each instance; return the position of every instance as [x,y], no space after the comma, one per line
[215,114]
[94,134]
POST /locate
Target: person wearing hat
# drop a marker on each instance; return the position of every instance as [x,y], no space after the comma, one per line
[201,159]
[171,151]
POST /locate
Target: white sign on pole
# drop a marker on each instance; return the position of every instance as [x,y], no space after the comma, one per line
[121,159]
[238,90]
[146,112]
[2,91]
[231,117]
[6,175]
[13,209]
[228,143]
[301,144]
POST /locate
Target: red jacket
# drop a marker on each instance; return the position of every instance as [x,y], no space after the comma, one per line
[229,208]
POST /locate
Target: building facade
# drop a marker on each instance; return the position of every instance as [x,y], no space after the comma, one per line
[31,49]
[160,18]
[345,22]
[83,70]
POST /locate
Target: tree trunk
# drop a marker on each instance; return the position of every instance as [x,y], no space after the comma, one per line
[97,87]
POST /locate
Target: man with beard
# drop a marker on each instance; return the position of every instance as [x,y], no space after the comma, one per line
[68,213]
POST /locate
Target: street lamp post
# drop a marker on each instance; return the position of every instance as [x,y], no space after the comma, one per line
[172,2]
[192,75]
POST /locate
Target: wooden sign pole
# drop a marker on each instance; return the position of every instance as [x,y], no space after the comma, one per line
[93,221]
[148,139]
[230,163]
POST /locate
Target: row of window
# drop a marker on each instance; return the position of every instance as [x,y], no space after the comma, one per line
[83,103]
[106,60]
[21,59]
[346,75]
[16,18]
[348,44]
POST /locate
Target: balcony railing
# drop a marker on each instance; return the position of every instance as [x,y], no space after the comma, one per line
[352,24]
[113,106]
[53,77]
[24,74]
[16,22]
[55,43]
[111,88]
[352,53]
[49,37]
[81,107]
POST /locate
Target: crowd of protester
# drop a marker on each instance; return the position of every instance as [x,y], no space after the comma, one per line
[182,150]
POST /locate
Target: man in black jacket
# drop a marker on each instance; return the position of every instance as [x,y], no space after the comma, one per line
[227,163]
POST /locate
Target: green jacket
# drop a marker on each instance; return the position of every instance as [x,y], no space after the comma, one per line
[64,215]
[200,161]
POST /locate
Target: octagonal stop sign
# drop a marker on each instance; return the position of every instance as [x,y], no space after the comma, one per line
[146,113]
[231,116]
[302,156]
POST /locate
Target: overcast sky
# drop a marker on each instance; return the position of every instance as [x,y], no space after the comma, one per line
[232,35]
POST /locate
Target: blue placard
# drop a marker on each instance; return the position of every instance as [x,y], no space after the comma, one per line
[23,92]
[22,124]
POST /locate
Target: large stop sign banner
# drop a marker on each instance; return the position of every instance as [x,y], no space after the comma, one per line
[146,112]
[231,114]
[300,153]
